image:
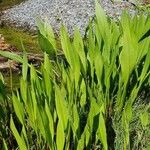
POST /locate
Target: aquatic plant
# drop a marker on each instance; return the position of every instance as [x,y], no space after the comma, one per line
[88,97]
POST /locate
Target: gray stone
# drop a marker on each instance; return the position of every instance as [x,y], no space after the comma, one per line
[71,13]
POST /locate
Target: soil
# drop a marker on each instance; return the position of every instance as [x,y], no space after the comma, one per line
[6,46]
[146,1]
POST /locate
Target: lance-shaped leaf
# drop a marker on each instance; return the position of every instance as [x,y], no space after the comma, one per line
[25,66]
[18,107]
[83,93]
[129,53]
[79,48]
[67,47]
[18,138]
[12,56]
[51,122]
[98,63]
[102,134]
[61,107]
[60,136]
[4,145]
[46,37]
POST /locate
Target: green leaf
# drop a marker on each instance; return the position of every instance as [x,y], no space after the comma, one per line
[12,56]
[83,93]
[61,107]
[101,19]
[146,35]
[81,142]
[66,46]
[144,117]
[25,136]
[79,47]
[145,31]
[23,89]
[102,134]
[60,136]
[75,119]
[47,64]
[143,48]
[103,32]
[25,66]
[89,127]
[19,109]
[4,145]
[2,88]
[91,45]
[98,63]
[45,45]
[1,78]
[47,83]
[51,122]
[46,37]
[43,125]
[129,54]
[145,67]
[18,138]
[34,105]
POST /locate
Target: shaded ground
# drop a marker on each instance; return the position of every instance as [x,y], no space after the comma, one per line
[6,64]
[5,4]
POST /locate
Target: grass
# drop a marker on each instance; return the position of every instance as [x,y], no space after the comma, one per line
[5,4]
[15,36]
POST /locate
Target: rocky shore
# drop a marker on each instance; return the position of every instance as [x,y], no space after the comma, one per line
[72,13]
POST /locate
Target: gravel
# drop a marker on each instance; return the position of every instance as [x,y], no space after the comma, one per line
[72,13]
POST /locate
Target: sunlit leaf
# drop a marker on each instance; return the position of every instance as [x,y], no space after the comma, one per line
[18,107]
[102,131]
[60,136]
[18,138]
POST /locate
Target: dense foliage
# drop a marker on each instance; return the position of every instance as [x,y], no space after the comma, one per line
[92,96]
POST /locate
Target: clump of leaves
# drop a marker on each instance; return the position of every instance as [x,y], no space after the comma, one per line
[85,99]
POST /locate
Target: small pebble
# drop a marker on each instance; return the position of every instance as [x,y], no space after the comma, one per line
[69,12]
